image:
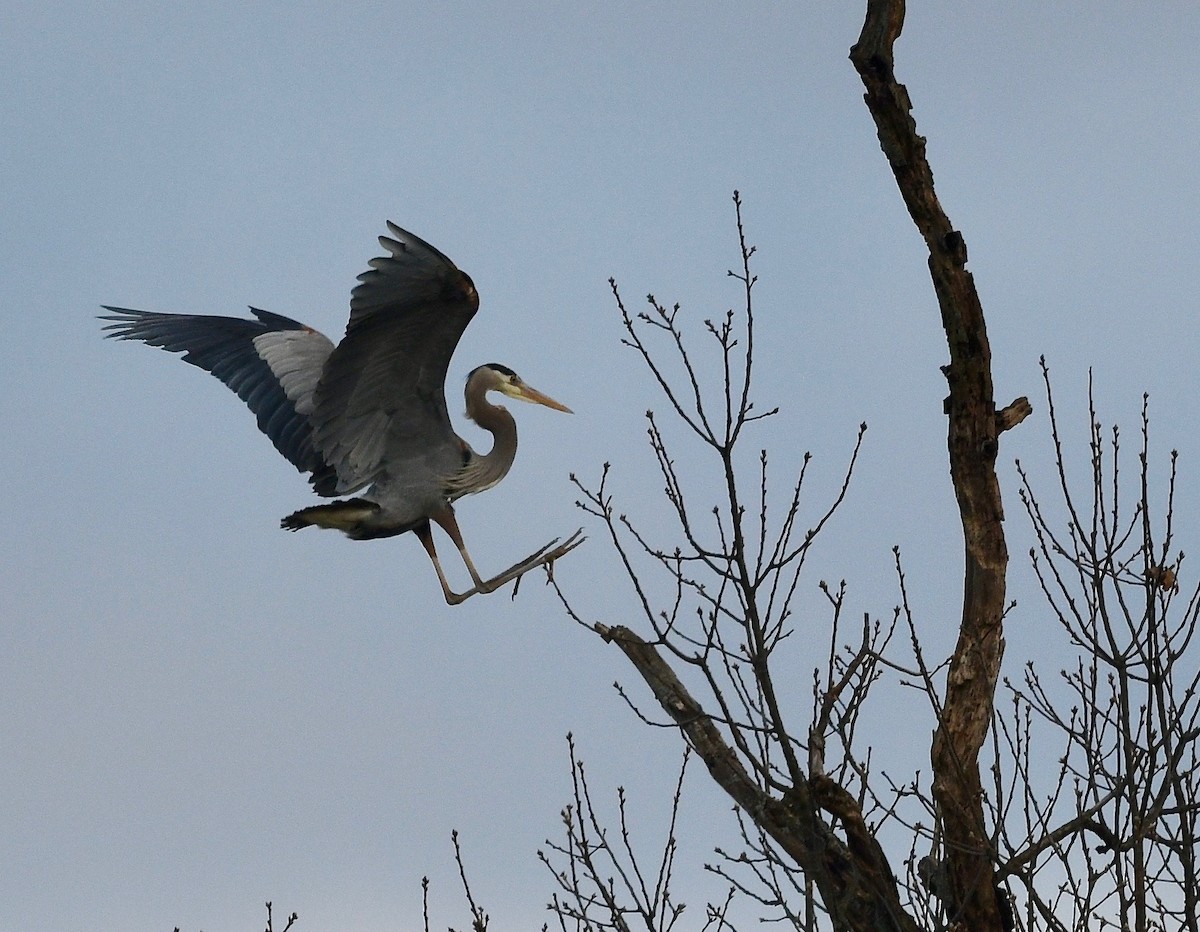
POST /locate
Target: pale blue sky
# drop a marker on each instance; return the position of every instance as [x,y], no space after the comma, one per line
[200,712]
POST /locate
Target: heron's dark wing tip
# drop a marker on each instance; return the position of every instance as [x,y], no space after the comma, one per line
[119,313]
[405,241]
[124,322]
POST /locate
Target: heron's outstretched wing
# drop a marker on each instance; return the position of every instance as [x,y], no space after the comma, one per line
[273,363]
[381,398]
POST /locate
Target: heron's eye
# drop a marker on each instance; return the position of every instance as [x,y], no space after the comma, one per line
[513,380]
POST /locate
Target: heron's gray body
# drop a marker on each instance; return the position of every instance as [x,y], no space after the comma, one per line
[407,493]
[368,416]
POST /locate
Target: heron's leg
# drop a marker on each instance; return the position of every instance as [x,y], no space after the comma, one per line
[448,523]
[425,536]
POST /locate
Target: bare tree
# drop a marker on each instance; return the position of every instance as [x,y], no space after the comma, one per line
[1109,840]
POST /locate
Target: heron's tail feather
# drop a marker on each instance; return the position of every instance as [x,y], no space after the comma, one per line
[344,516]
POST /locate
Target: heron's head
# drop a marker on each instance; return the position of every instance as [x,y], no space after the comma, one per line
[494,377]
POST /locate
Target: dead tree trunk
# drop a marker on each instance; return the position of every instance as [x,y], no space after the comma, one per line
[974,428]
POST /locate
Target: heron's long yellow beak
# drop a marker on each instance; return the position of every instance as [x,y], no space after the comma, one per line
[526,393]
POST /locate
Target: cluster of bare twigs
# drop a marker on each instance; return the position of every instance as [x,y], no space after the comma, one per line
[601,881]
[721,603]
[1115,832]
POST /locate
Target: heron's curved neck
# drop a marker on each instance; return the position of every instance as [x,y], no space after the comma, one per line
[486,470]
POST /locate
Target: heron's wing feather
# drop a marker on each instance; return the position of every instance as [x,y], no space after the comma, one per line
[381,397]
[272,363]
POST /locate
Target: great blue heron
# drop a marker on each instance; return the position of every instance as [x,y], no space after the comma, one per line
[369,413]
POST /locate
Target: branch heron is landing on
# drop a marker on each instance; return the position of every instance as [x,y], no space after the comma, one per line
[369,416]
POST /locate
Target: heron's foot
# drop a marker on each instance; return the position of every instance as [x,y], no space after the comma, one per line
[543,556]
